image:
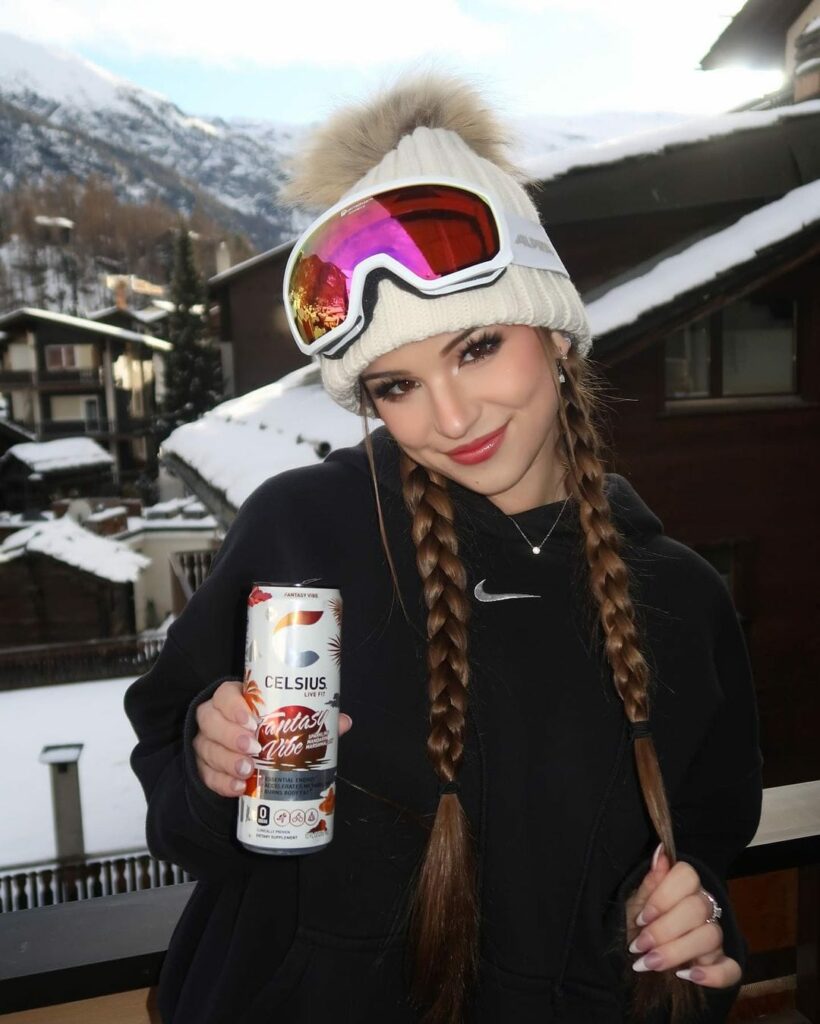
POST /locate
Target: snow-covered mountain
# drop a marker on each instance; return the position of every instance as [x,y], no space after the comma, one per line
[62,114]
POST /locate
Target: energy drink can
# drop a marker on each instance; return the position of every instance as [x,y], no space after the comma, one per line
[293,648]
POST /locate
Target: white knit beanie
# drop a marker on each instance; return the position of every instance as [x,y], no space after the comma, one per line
[438,125]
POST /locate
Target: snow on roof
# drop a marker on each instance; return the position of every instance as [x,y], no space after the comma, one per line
[21,519]
[83,324]
[66,541]
[67,453]
[145,316]
[166,306]
[53,222]
[201,524]
[242,442]
[706,259]
[150,315]
[107,513]
[644,144]
[172,507]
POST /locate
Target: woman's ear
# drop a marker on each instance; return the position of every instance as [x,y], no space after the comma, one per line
[561,342]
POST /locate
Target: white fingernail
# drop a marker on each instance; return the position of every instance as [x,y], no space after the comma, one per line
[656,855]
[640,965]
[251,723]
[685,974]
[237,785]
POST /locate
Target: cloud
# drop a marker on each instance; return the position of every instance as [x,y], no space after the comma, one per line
[623,11]
[259,33]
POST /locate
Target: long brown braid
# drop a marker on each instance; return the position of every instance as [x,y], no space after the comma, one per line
[444,915]
[444,918]
[578,447]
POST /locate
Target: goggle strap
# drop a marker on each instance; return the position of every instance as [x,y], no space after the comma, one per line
[531,245]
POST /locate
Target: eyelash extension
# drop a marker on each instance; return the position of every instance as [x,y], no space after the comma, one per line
[492,341]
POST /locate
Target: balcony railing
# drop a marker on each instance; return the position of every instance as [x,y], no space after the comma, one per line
[96,427]
[16,378]
[50,882]
[53,956]
[188,569]
[48,664]
[49,380]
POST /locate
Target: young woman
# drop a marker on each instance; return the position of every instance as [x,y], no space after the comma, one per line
[542,684]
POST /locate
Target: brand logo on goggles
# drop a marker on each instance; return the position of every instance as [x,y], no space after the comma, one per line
[357,206]
[534,243]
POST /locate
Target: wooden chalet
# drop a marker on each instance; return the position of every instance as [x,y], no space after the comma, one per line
[251,321]
[12,434]
[64,376]
[60,582]
[142,321]
[34,474]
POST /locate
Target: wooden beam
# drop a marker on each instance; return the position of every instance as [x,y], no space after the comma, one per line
[135,1007]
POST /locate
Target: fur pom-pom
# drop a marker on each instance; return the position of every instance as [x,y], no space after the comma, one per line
[355,139]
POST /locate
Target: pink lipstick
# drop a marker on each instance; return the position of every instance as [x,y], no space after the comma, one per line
[479,450]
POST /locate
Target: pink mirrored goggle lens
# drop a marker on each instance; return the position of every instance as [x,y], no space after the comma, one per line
[432,230]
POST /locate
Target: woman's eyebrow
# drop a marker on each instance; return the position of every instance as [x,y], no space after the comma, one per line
[409,373]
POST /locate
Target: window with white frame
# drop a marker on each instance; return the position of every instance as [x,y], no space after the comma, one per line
[61,357]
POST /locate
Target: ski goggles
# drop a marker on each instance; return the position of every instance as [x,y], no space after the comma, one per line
[437,235]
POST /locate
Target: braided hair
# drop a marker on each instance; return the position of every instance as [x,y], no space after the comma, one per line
[444,918]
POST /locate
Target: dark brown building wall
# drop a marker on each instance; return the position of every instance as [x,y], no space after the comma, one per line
[44,601]
[263,350]
[596,251]
[748,476]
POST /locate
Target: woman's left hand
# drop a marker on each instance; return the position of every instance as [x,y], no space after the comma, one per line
[666,921]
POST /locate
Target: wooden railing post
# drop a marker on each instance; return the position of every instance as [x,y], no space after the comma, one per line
[808,950]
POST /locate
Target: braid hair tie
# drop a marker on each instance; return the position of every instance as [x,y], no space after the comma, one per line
[448,787]
[639,730]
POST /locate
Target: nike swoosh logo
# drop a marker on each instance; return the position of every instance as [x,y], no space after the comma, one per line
[482,595]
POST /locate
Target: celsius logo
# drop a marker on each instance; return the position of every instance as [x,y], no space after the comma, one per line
[285,639]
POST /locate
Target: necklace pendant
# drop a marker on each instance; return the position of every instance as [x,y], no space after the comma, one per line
[536,551]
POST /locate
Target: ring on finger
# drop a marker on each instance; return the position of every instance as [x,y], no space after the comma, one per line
[717,910]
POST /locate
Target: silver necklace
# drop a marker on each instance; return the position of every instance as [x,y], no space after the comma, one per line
[536,548]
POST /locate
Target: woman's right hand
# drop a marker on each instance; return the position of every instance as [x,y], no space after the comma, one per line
[226,739]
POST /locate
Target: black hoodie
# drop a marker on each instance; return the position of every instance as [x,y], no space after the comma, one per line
[548,779]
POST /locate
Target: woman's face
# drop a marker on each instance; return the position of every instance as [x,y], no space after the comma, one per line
[453,389]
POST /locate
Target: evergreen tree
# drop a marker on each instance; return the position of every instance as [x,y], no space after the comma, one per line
[193,377]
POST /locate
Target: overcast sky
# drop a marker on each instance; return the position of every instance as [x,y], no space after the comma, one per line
[293,62]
